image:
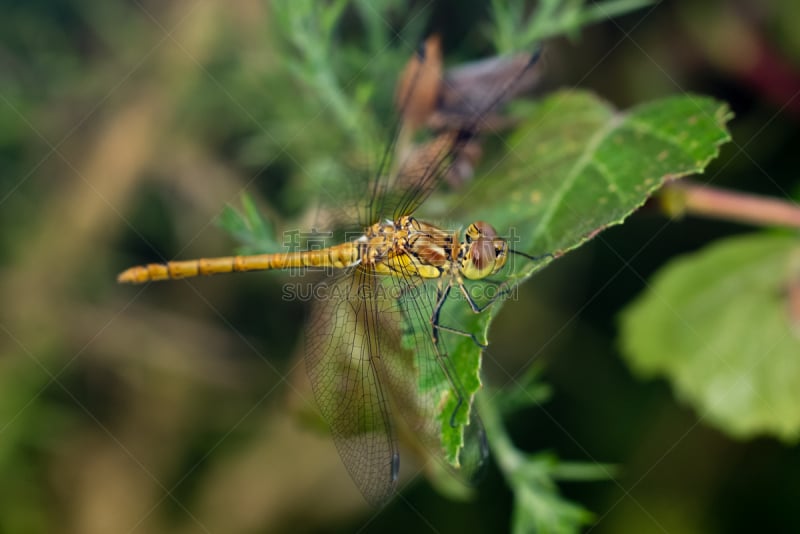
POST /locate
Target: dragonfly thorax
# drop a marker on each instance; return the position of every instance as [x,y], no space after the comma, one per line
[412,247]
[482,252]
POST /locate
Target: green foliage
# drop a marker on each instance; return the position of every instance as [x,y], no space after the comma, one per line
[30,423]
[527,391]
[514,28]
[466,365]
[576,166]
[249,227]
[345,77]
[573,167]
[717,324]
[310,29]
[538,506]
[284,99]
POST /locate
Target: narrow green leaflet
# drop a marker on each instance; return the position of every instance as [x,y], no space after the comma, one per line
[718,325]
[574,167]
[514,31]
[538,508]
[249,227]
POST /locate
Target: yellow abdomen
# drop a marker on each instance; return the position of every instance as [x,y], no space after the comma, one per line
[338,257]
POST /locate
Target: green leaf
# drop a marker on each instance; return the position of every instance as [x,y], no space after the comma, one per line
[539,509]
[576,166]
[573,168]
[718,325]
[454,419]
[434,387]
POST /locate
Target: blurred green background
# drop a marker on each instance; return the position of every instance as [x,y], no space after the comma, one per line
[125,129]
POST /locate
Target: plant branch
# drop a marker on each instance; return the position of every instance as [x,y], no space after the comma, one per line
[680,198]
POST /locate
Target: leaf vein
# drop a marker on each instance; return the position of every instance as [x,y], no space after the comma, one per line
[569,179]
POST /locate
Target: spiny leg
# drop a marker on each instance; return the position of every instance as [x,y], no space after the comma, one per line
[440,352]
[474,306]
[441,298]
[504,288]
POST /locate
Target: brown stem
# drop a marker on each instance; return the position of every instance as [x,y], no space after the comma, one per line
[680,198]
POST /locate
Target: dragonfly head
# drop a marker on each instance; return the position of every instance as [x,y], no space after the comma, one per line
[482,253]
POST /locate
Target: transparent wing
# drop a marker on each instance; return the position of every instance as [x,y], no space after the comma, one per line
[369,351]
[460,104]
[344,347]
[422,377]
[472,93]
[420,171]
[394,171]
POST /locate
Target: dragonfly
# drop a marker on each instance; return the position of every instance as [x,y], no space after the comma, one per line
[364,355]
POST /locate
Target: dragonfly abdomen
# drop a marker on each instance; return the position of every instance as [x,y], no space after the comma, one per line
[339,257]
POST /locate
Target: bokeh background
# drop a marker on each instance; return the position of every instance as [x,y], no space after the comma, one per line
[125,129]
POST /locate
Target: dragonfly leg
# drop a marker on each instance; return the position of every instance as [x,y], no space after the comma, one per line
[474,306]
[452,330]
[454,413]
[441,297]
[503,289]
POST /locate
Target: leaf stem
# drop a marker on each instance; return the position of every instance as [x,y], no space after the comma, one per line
[679,198]
[509,459]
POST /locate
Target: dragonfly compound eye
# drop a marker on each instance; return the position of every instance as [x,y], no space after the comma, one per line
[485,252]
[500,252]
[480,229]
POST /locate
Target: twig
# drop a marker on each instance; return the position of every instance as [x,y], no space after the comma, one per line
[680,198]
